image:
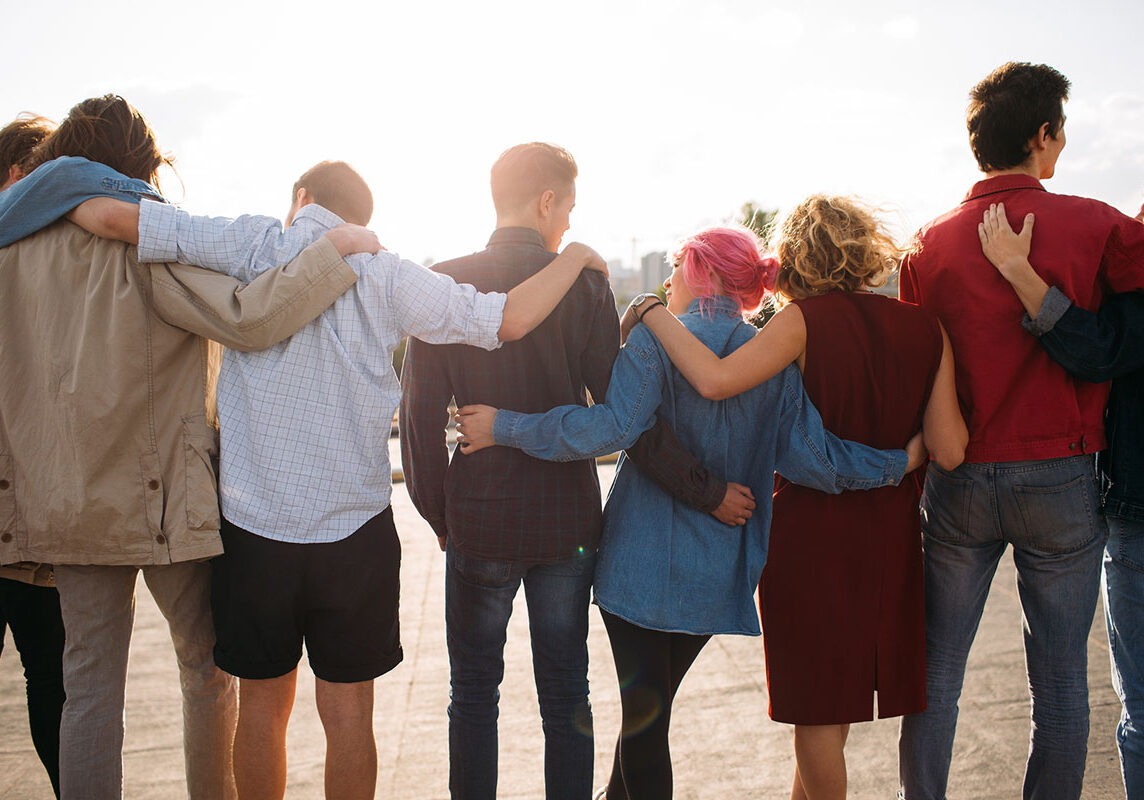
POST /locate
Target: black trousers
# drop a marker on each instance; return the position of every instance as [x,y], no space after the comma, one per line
[650,666]
[33,615]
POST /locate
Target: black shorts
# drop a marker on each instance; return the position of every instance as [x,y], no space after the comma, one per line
[340,598]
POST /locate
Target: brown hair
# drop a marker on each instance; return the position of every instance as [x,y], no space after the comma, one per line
[19,138]
[524,172]
[337,186]
[833,243]
[1008,108]
[108,130]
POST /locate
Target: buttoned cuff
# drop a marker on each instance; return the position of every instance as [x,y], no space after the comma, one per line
[896,468]
[504,428]
[158,237]
[1053,307]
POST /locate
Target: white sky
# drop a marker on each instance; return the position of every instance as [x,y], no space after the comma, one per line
[677,111]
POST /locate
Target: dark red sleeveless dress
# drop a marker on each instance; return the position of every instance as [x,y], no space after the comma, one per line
[841,596]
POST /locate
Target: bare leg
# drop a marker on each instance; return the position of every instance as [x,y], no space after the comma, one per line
[260,742]
[346,710]
[820,772]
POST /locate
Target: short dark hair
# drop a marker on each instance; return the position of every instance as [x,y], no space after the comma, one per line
[524,172]
[109,130]
[337,186]
[19,138]
[1008,108]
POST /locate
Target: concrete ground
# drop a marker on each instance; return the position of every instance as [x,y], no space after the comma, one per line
[723,743]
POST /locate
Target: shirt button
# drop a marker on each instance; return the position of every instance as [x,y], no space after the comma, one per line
[161,539]
[6,538]
[152,484]
[1072,445]
[4,484]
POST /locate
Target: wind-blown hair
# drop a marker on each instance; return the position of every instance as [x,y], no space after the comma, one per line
[833,243]
[109,130]
[19,138]
[725,261]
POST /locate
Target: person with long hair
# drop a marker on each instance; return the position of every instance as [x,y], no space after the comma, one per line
[667,576]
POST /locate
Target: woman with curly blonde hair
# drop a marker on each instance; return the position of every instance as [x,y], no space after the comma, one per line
[841,596]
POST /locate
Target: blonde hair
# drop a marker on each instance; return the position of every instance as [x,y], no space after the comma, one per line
[833,244]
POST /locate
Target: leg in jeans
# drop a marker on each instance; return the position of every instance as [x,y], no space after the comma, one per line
[210,697]
[33,614]
[98,608]
[962,549]
[1050,511]
[478,603]
[650,665]
[558,597]
[1124,610]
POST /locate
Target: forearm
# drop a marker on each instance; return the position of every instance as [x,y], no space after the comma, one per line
[661,456]
[774,347]
[1029,286]
[530,302]
[569,433]
[256,315]
[811,456]
[1092,347]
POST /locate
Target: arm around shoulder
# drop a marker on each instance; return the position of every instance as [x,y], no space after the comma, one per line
[253,316]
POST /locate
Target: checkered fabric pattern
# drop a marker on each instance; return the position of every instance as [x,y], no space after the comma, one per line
[306,423]
[500,503]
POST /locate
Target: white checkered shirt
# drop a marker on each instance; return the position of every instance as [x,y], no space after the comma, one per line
[306,423]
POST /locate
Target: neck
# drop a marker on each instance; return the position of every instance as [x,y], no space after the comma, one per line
[517,221]
[1031,167]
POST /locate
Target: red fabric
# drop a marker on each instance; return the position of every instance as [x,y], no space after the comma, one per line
[1019,404]
[841,595]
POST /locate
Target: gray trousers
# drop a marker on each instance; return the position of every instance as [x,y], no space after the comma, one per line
[98,605]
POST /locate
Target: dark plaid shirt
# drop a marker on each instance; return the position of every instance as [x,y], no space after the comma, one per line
[500,503]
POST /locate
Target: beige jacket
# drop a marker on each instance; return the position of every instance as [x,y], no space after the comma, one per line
[105,453]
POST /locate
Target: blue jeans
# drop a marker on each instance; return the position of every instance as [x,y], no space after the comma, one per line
[478,603]
[1049,511]
[1124,610]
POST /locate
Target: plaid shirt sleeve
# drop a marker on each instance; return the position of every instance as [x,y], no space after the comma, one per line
[425,394]
[661,456]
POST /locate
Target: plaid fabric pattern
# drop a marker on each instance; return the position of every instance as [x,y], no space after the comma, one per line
[501,503]
[306,423]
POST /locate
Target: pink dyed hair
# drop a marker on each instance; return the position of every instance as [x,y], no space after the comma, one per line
[726,261]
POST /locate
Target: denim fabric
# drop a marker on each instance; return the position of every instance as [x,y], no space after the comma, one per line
[478,603]
[1099,347]
[1049,512]
[664,565]
[55,188]
[1124,613]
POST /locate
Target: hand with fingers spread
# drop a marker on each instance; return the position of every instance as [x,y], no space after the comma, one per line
[1006,250]
[475,427]
[736,506]
[1009,253]
[349,239]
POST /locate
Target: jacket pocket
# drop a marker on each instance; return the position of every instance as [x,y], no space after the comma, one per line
[200,451]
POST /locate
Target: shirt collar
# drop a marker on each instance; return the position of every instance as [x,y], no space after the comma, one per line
[1002,183]
[516,235]
[322,217]
[718,304]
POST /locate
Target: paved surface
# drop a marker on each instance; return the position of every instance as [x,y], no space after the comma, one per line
[723,743]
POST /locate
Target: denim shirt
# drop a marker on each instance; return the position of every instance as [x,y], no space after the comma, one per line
[1096,348]
[55,188]
[662,564]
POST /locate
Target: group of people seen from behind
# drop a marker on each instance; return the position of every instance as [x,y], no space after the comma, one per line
[250,483]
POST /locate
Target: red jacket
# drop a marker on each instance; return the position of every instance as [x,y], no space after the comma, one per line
[1019,404]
